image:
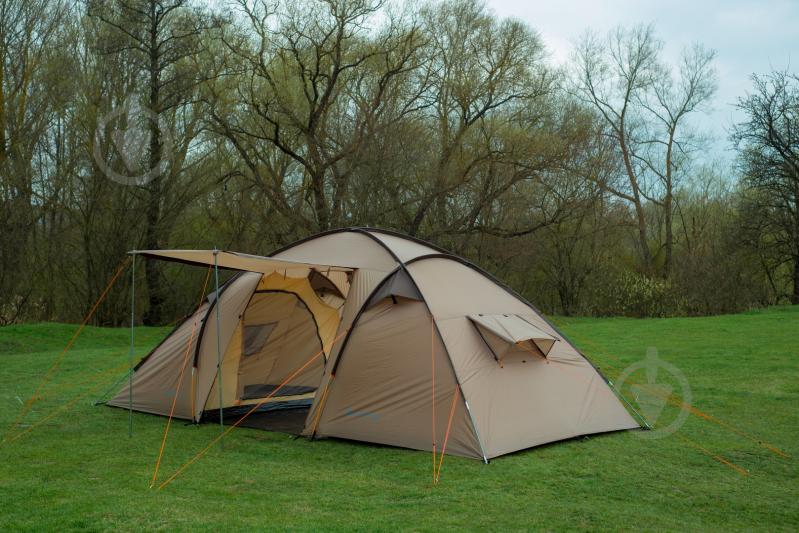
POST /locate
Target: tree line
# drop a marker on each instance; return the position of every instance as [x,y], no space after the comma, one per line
[247,124]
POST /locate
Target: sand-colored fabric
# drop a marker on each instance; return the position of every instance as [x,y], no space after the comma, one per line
[325,316]
[230,378]
[239,261]
[383,387]
[507,334]
[405,249]
[299,319]
[233,301]
[503,351]
[520,382]
[364,282]
[349,248]
[358,250]
[333,301]
[292,343]
[340,279]
[526,402]
[155,382]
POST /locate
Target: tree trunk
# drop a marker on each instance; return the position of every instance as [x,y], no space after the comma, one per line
[667,207]
[795,295]
[668,203]
[154,314]
[643,238]
[320,201]
[152,238]
[640,214]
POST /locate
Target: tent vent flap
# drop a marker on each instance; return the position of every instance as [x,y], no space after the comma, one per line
[508,335]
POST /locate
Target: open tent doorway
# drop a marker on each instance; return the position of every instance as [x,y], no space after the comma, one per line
[278,334]
[269,325]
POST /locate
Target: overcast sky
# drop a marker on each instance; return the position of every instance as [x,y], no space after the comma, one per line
[748,36]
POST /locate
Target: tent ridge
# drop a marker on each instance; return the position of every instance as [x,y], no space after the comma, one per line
[365,230]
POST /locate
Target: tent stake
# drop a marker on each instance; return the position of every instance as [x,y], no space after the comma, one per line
[218,351]
[130,352]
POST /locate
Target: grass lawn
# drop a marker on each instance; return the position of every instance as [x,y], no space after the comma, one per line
[78,469]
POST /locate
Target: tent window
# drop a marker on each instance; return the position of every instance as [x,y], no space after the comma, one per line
[255,337]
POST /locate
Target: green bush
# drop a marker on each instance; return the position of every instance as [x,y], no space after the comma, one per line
[627,293]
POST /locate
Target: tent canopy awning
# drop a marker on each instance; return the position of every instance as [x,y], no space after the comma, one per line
[239,261]
[513,329]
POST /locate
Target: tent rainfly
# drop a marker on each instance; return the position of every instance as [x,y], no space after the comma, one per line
[366,334]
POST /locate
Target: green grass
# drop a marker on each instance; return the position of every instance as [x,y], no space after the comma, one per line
[79,469]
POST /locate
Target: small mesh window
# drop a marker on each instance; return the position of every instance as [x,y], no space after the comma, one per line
[255,337]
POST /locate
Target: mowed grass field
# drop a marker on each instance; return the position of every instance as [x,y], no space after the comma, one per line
[72,466]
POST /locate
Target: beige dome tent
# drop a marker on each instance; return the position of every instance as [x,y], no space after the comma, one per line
[374,336]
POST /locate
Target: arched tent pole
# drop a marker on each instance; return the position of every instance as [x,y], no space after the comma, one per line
[401,266]
[132,338]
[218,350]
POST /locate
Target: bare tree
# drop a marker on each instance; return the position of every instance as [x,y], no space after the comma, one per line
[669,146]
[438,119]
[163,40]
[486,83]
[314,82]
[644,107]
[30,35]
[768,141]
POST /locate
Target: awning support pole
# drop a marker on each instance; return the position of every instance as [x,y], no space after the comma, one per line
[131,351]
[218,350]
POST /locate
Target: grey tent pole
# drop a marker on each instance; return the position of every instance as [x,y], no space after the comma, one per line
[131,351]
[218,350]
